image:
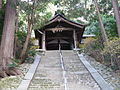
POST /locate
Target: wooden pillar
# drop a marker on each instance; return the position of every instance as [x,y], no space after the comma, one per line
[43,41]
[75,40]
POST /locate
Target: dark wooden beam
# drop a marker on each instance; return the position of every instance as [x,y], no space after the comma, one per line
[58,38]
[58,29]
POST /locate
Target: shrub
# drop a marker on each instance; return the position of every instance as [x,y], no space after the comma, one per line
[31,52]
[15,63]
[20,39]
[109,53]
[29,60]
[112,50]
[93,47]
[34,47]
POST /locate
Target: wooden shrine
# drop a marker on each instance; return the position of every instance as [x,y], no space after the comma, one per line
[60,30]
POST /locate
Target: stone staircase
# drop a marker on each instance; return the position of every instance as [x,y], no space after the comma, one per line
[49,74]
[78,78]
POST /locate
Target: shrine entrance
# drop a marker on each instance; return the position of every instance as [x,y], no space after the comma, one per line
[64,38]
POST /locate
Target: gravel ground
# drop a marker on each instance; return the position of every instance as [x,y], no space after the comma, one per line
[108,74]
[12,82]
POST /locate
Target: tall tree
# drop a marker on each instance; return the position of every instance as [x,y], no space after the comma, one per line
[117,14]
[34,19]
[102,29]
[7,42]
[29,31]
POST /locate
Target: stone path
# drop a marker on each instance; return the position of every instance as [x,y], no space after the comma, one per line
[49,74]
[78,78]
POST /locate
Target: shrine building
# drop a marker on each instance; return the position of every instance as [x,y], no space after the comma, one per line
[60,31]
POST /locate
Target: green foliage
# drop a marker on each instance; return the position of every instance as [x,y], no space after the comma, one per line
[95,44]
[15,63]
[110,27]
[39,11]
[109,54]
[93,28]
[20,36]
[105,6]
[41,20]
[93,47]
[74,9]
[12,65]
[112,49]
[29,60]
[114,67]
[31,52]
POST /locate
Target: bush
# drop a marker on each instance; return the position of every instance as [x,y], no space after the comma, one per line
[109,53]
[93,47]
[112,50]
[20,39]
[15,63]
[29,60]
[31,52]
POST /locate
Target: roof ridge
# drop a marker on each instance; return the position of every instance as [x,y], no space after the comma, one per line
[66,19]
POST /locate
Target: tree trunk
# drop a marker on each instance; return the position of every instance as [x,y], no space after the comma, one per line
[7,42]
[117,15]
[30,25]
[16,29]
[102,29]
[22,56]
[0,4]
